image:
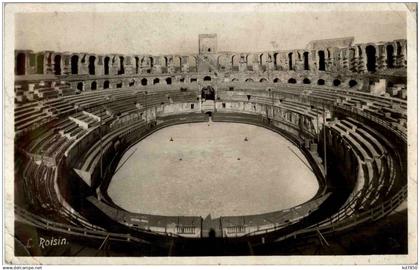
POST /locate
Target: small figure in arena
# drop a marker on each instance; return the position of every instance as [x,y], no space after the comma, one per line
[246,139]
[171,140]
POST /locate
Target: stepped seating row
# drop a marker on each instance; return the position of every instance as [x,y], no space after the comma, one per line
[90,158]
[375,161]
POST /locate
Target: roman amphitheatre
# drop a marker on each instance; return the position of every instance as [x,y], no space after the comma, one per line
[277,152]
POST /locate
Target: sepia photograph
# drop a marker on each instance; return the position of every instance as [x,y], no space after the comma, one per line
[228,133]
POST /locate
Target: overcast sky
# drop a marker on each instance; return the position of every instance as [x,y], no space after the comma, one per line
[169,32]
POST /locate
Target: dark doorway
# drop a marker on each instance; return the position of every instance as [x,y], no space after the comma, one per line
[93,86]
[74,64]
[57,65]
[207,78]
[168,81]
[321,82]
[208,93]
[290,61]
[352,83]
[390,56]
[106,84]
[144,81]
[106,65]
[336,82]
[137,65]
[321,58]
[306,61]
[156,81]
[291,80]
[121,70]
[40,64]
[20,64]
[92,65]
[80,86]
[371,58]
[306,81]
[131,83]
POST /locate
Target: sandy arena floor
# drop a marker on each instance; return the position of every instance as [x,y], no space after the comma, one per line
[212,170]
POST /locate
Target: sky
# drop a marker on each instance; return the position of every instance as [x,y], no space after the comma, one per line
[172,31]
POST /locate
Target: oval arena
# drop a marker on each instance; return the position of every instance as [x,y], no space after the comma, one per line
[185,154]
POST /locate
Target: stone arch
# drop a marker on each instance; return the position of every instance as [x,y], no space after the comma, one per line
[306,60]
[235,60]
[276,80]
[93,85]
[80,86]
[390,56]
[321,60]
[121,69]
[292,81]
[321,82]
[106,84]
[352,83]
[263,80]
[371,58]
[106,65]
[290,60]
[207,79]
[143,81]
[306,81]
[74,62]
[168,80]
[57,64]
[137,64]
[91,66]
[249,80]
[336,82]
[156,81]
[40,64]
[20,64]
[131,83]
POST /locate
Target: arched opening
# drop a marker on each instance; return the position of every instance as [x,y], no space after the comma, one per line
[20,64]
[168,80]
[156,81]
[106,84]
[306,61]
[40,64]
[390,56]
[276,80]
[208,93]
[137,65]
[143,81]
[371,58]
[321,82]
[306,81]
[207,78]
[131,83]
[235,80]
[336,82]
[93,86]
[321,59]
[92,65]
[119,84]
[291,80]
[80,86]
[290,61]
[74,64]
[57,65]
[263,80]
[106,65]
[249,80]
[121,70]
[352,83]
